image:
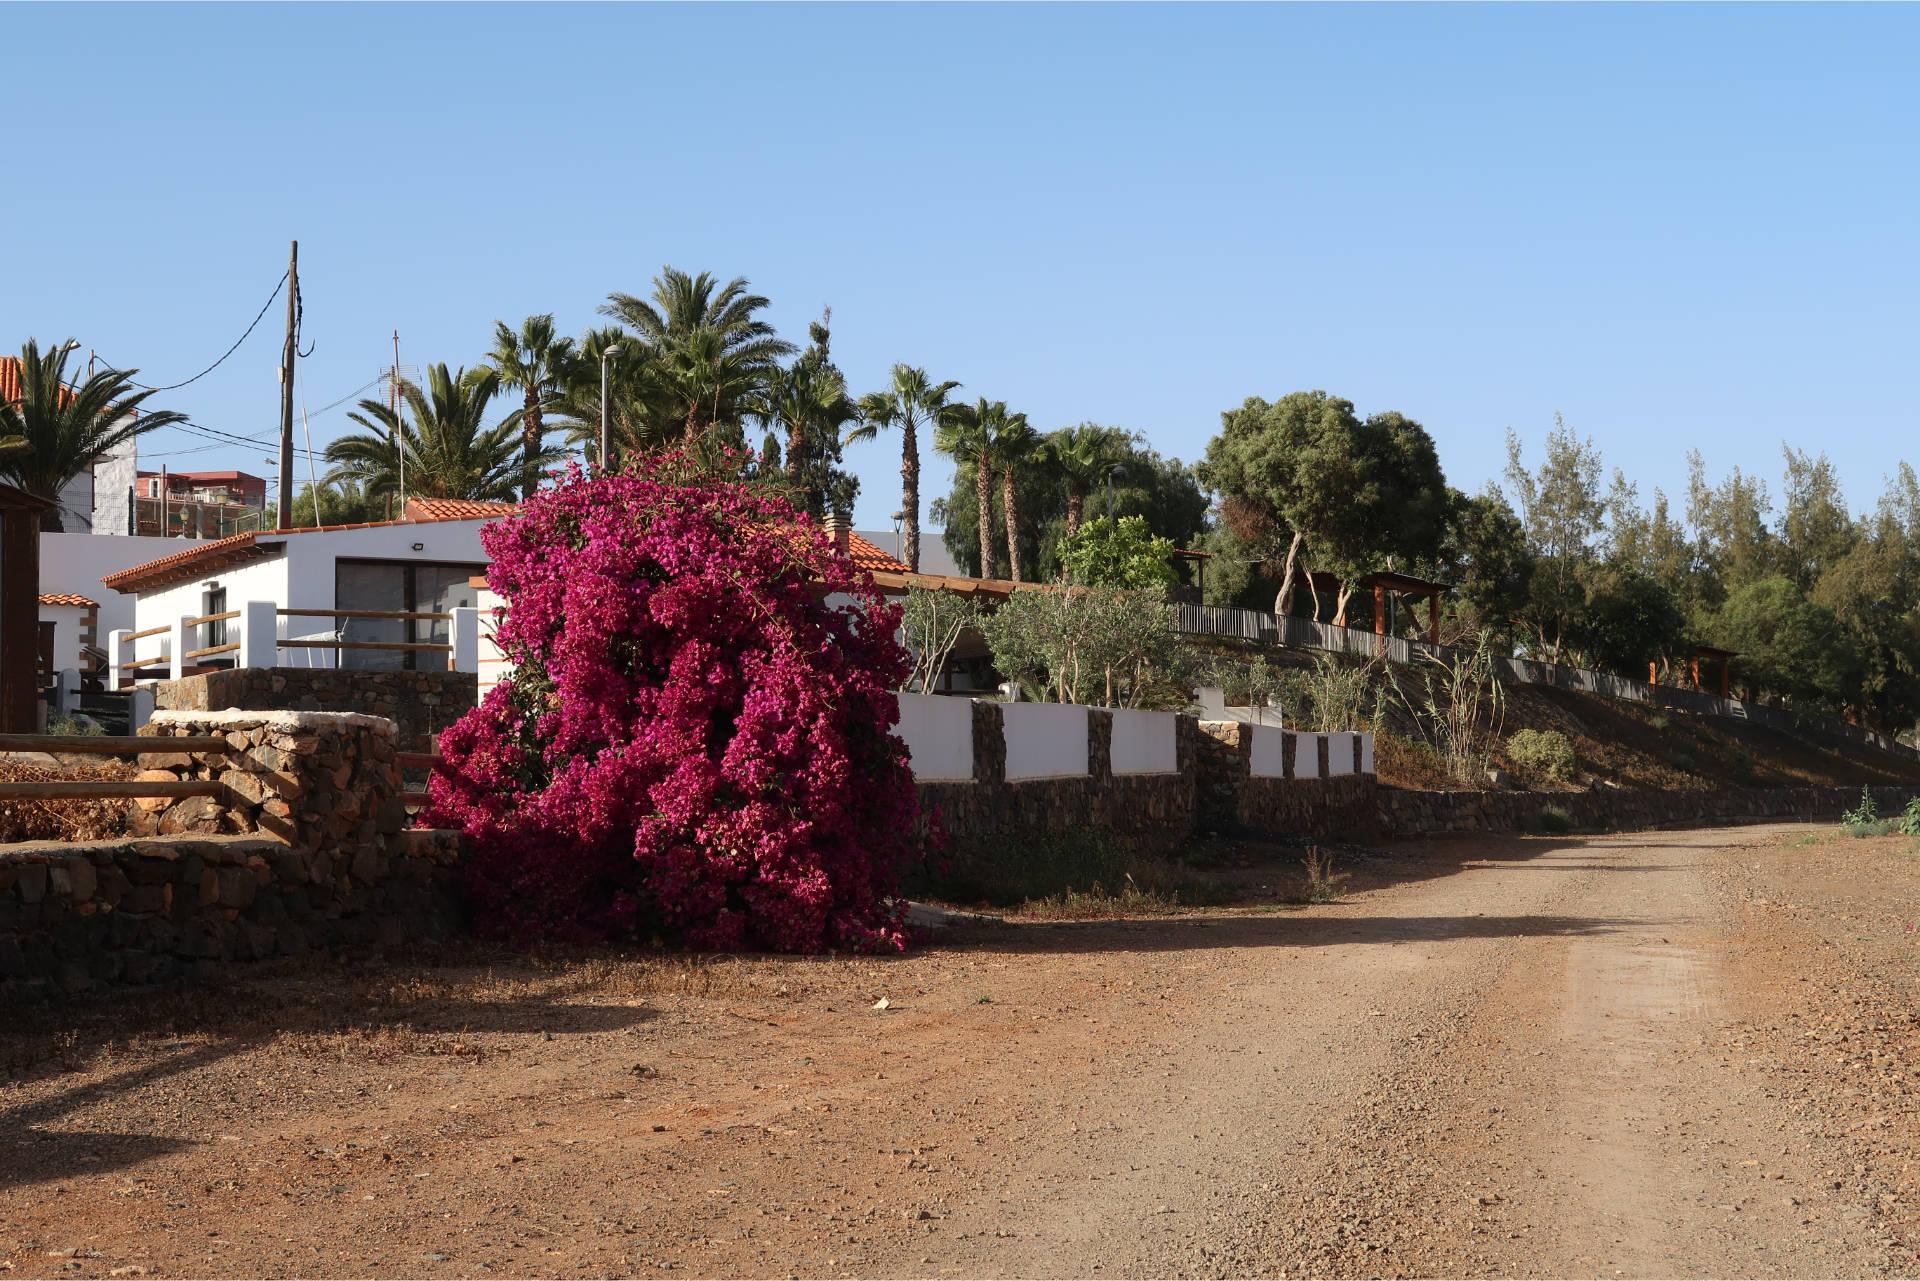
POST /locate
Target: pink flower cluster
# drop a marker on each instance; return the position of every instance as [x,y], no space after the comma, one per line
[695,746]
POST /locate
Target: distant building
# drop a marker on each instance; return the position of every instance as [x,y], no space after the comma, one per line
[197,504]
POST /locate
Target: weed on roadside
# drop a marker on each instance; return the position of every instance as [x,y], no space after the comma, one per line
[1323,883]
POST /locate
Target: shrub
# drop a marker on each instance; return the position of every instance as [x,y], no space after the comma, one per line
[693,746]
[1910,818]
[1863,813]
[1544,751]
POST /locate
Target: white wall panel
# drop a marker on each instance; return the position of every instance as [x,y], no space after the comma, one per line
[1268,756]
[1045,740]
[938,733]
[1145,742]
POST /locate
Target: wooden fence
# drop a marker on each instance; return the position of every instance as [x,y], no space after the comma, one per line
[253,637]
[103,788]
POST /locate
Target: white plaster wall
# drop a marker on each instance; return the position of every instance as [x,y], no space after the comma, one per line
[1366,754]
[938,733]
[257,580]
[1145,742]
[76,504]
[1306,755]
[114,474]
[66,620]
[1045,740]
[1268,757]
[76,562]
[494,666]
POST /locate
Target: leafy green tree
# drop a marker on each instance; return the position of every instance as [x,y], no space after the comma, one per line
[1730,522]
[1630,619]
[1873,591]
[1816,532]
[1083,456]
[912,402]
[340,503]
[59,430]
[540,365]
[1122,553]
[699,349]
[1563,512]
[1788,646]
[1343,494]
[444,451]
[808,402]
[1487,557]
[1099,646]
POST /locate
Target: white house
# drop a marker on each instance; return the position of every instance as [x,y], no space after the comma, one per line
[420,565]
[73,621]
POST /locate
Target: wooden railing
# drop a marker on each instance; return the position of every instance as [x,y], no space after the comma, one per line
[109,788]
[255,642]
[386,615]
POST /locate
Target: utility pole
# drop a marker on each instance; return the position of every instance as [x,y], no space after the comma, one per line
[286,389]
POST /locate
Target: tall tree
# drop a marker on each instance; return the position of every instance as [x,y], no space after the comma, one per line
[1305,473]
[965,435]
[1816,532]
[539,364]
[911,403]
[1730,522]
[1563,512]
[445,451]
[808,402]
[1083,456]
[1015,448]
[704,346]
[58,430]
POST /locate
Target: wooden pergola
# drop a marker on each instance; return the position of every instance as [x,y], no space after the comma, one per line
[1383,584]
[1710,655]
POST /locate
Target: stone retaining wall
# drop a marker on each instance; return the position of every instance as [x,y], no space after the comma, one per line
[1409,813]
[305,845]
[421,703]
[1145,813]
[1230,798]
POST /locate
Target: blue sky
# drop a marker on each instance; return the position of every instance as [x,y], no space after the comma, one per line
[1678,226]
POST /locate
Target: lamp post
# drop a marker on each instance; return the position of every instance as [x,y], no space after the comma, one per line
[606,364]
[899,519]
[1111,473]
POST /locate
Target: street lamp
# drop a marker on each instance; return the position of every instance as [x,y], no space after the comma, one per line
[1111,473]
[899,519]
[606,364]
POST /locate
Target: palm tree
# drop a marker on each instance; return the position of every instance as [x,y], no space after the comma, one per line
[1083,455]
[444,452]
[708,355]
[1014,446]
[965,436]
[809,402]
[912,402]
[61,429]
[539,364]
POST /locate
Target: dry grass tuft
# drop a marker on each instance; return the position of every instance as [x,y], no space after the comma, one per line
[66,820]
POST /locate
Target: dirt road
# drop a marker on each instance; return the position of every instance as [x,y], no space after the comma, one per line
[1678,1054]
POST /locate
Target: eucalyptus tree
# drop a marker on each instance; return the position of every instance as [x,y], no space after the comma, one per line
[541,365]
[53,431]
[701,345]
[912,402]
[445,450]
[1083,456]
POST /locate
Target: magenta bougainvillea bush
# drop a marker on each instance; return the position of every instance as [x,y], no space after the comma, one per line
[694,745]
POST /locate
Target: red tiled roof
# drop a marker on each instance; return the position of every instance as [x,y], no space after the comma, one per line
[457,509]
[68,598]
[871,558]
[10,380]
[208,556]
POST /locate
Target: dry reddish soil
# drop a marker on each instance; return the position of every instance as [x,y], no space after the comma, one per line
[1667,1054]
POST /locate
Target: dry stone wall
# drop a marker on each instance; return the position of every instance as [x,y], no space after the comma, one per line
[421,704]
[305,846]
[1410,813]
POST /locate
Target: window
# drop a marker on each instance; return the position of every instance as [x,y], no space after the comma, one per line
[399,587]
[214,601]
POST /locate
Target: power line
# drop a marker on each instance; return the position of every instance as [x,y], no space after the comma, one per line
[229,351]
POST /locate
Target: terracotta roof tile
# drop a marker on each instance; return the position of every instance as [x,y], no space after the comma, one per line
[457,509]
[871,558]
[68,598]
